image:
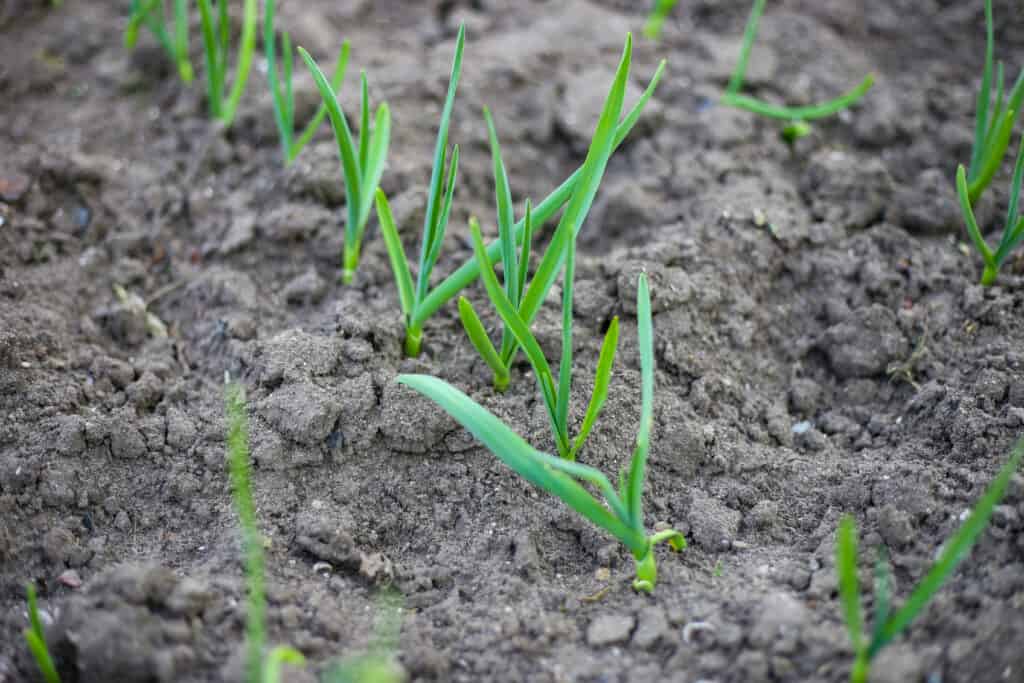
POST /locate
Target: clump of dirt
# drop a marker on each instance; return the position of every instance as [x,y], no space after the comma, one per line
[822,348]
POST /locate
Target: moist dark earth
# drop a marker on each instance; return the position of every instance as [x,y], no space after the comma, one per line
[822,348]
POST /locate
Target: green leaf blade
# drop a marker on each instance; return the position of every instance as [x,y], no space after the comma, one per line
[954,550]
[849,589]
[602,380]
[396,254]
[540,469]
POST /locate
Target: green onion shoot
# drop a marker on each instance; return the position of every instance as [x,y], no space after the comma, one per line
[420,311]
[657,17]
[993,126]
[258,669]
[1013,228]
[621,512]
[281,87]
[362,162]
[796,118]
[36,638]
[435,222]
[215,29]
[889,624]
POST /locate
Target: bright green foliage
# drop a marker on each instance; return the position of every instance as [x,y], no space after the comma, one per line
[284,100]
[1013,228]
[174,43]
[362,163]
[517,308]
[36,639]
[888,624]
[419,311]
[993,126]
[435,222]
[216,34]
[621,513]
[656,20]
[793,115]
[258,669]
[516,263]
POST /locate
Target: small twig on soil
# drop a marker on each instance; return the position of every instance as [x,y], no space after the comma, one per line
[904,371]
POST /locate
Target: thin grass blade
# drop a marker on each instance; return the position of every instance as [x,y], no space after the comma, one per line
[849,589]
[140,10]
[981,118]
[602,379]
[972,224]
[374,170]
[565,364]
[284,131]
[749,36]
[364,120]
[992,158]
[954,550]
[337,80]
[346,145]
[214,72]
[481,342]
[540,469]
[276,659]
[517,325]
[591,173]
[244,64]
[42,657]
[506,218]
[442,223]
[645,341]
[1011,232]
[808,113]
[883,596]
[396,254]
[288,66]
[430,220]
[181,40]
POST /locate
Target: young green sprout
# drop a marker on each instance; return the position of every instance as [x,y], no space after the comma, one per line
[621,513]
[362,163]
[656,20]
[992,132]
[174,43]
[418,311]
[888,624]
[216,35]
[377,664]
[283,97]
[435,221]
[556,399]
[515,262]
[36,638]
[258,668]
[1013,229]
[796,118]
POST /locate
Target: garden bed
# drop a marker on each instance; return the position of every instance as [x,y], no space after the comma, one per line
[822,344]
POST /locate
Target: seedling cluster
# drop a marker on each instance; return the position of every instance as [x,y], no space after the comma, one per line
[517,297]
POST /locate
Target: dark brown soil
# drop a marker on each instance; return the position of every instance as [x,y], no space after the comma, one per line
[822,347]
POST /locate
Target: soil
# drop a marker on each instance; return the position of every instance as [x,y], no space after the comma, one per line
[822,346]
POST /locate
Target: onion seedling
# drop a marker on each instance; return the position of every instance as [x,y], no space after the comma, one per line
[1013,229]
[515,264]
[656,20]
[517,308]
[216,34]
[992,132]
[174,43]
[621,513]
[36,638]
[258,668]
[452,285]
[796,117]
[435,221]
[284,99]
[362,163]
[888,624]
